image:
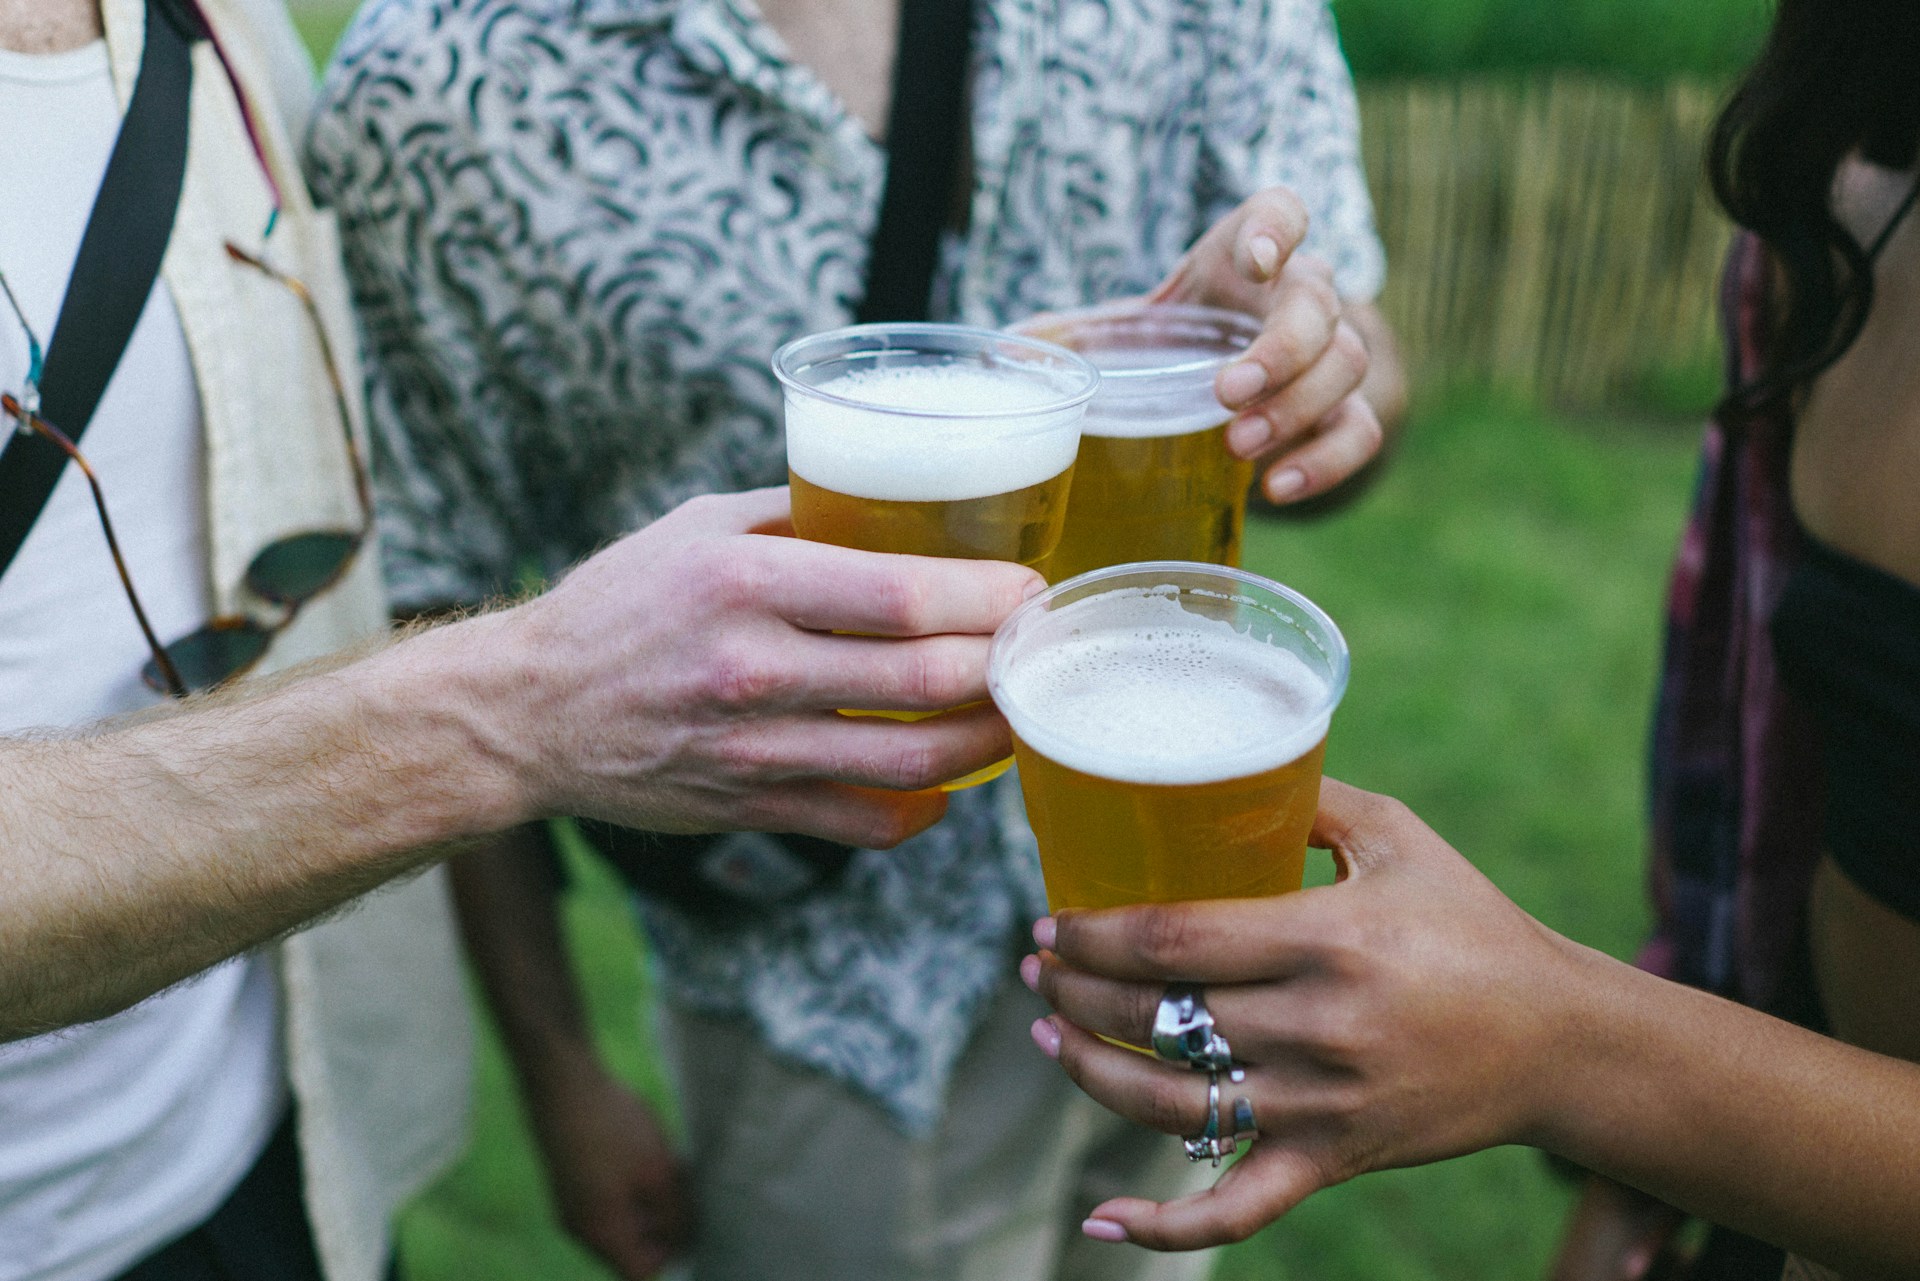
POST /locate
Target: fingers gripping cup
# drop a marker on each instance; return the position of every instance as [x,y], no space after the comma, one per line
[933,440]
[1154,480]
[1169,720]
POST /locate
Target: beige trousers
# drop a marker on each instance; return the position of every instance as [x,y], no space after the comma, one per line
[801,1179]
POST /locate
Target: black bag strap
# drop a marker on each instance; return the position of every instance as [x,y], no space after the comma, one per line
[114,271]
[924,137]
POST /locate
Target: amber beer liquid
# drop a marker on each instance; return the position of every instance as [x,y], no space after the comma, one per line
[933,440]
[1170,722]
[1154,480]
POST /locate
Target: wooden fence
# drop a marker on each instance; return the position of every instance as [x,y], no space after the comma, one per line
[1552,238]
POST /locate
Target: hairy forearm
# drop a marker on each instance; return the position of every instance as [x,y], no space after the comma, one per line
[138,855]
[1740,1118]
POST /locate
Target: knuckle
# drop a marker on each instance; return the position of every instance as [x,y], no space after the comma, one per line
[732,576]
[949,674]
[1170,1105]
[1317,285]
[740,678]
[1348,349]
[1291,347]
[1145,1004]
[741,756]
[1369,436]
[913,765]
[887,828]
[900,600]
[1286,210]
[1164,937]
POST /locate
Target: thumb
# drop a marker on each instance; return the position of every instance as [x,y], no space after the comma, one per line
[1260,1188]
[1358,827]
[1240,254]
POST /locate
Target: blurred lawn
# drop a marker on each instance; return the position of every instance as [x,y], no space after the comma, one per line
[1501,589]
[1645,39]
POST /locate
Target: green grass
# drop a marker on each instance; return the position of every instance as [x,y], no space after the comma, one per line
[1501,589]
[1644,39]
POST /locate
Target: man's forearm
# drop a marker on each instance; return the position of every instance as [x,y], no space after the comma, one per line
[140,855]
[1743,1120]
[681,681]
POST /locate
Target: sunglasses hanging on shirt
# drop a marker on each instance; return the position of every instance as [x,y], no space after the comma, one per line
[114,274]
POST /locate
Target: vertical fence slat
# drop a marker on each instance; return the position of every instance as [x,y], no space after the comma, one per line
[1551,237]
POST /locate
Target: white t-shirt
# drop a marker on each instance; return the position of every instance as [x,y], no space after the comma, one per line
[119,1135]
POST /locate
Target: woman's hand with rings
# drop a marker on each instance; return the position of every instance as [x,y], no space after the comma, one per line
[1408,1013]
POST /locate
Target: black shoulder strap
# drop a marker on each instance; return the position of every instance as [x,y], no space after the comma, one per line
[924,135]
[113,273]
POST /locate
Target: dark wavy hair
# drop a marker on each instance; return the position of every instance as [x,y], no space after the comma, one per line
[1836,77]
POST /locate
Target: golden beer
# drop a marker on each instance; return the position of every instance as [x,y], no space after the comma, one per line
[1022,526]
[1154,479]
[933,440]
[1170,722]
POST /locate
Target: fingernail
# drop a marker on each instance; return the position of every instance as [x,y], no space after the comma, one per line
[1266,254]
[1248,436]
[1104,1230]
[1030,972]
[1637,1261]
[1047,1037]
[1034,588]
[1286,484]
[1044,931]
[1241,382]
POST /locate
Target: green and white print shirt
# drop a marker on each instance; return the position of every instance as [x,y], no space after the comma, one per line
[577,230]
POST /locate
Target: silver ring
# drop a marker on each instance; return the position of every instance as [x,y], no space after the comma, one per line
[1245,1128]
[1210,1144]
[1206,1144]
[1184,1033]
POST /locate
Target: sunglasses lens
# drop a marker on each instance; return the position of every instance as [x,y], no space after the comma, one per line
[299,568]
[211,655]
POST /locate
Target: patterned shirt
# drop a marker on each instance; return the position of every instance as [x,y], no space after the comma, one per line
[1737,776]
[577,230]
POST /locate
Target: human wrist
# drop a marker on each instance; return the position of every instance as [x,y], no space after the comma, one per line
[1591,1047]
[556,1063]
[458,698]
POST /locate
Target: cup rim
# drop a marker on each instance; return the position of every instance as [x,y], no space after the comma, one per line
[1126,380]
[1086,384]
[1339,659]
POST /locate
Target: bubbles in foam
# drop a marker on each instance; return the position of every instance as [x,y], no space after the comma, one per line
[1008,441]
[1130,685]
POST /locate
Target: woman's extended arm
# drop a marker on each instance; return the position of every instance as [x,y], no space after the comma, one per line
[1411,1013]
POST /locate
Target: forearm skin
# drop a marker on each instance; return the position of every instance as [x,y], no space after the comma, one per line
[138,856]
[1737,1117]
[510,920]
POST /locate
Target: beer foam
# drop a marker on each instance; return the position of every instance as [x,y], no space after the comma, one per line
[1129,685]
[899,450]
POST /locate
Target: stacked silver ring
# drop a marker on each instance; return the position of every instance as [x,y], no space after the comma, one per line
[1184,1034]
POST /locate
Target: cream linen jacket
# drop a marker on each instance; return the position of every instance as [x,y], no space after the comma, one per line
[375,1023]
